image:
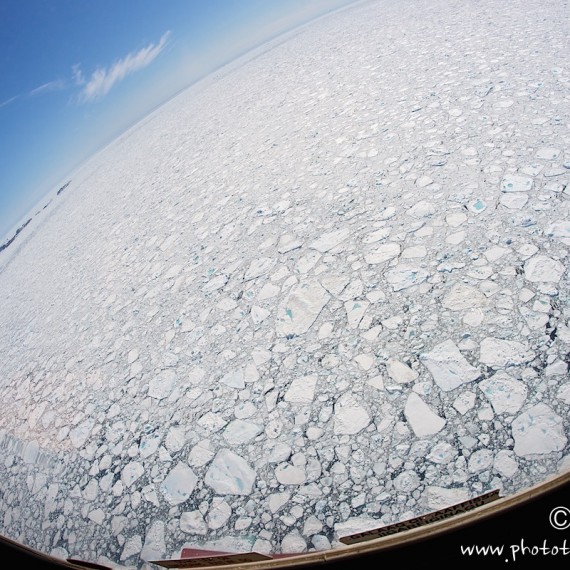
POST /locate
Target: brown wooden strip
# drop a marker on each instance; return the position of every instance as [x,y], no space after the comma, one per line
[212,560]
[421,520]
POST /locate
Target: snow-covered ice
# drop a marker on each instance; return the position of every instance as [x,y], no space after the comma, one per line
[311,295]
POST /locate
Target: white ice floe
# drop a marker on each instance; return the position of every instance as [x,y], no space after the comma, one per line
[383,253]
[462,297]
[192,522]
[288,474]
[230,474]
[239,432]
[179,484]
[311,307]
[301,308]
[162,384]
[541,268]
[507,395]
[355,525]
[259,267]
[349,416]
[400,372]
[234,379]
[505,463]
[437,498]
[537,431]
[131,472]
[330,240]
[154,547]
[302,390]
[516,183]
[424,421]
[448,366]
[500,353]
[355,312]
[403,277]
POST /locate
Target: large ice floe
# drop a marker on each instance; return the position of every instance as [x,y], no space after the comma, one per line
[324,290]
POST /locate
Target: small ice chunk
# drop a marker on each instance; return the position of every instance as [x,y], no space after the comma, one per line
[495,253]
[442,453]
[503,104]
[219,513]
[312,526]
[80,433]
[377,235]
[464,402]
[456,237]
[423,181]
[407,481]
[293,542]
[276,501]
[560,229]
[480,460]
[288,243]
[201,453]
[268,291]
[354,525]
[365,361]
[133,545]
[259,314]
[477,206]
[414,252]
[215,283]
[455,219]
[564,393]
[175,439]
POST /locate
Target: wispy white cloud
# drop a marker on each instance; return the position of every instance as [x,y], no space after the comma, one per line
[102,80]
[8,101]
[78,77]
[56,85]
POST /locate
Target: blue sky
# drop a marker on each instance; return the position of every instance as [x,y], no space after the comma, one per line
[76,73]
